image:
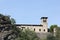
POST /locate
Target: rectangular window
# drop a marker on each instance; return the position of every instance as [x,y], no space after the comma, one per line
[23,28]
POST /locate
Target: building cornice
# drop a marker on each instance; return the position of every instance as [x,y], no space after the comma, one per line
[28,25]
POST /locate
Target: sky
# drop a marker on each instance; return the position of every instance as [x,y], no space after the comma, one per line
[30,11]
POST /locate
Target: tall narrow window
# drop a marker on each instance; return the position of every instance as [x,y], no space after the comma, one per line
[34,29]
[39,29]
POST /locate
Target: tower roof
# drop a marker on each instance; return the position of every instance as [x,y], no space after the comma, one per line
[44,17]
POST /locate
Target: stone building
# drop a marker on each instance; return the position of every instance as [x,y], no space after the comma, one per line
[41,28]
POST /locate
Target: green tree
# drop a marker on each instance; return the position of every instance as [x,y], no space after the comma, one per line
[58,33]
[7,24]
[27,35]
[16,33]
[52,27]
[51,37]
[13,21]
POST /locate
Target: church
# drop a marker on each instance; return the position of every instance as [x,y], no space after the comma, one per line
[41,28]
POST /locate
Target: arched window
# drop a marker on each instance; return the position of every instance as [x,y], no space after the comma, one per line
[34,29]
[39,29]
[44,29]
[44,20]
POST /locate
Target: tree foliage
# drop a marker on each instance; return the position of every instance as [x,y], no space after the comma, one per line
[27,35]
[52,27]
[51,37]
[58,33]
[13,21]
[55,35]
[16,33]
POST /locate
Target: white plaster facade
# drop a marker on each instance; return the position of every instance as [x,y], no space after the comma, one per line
[43,27]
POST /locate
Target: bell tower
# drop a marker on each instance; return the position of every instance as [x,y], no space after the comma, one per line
[44,23]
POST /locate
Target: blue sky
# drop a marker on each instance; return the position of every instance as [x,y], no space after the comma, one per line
[30,11]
